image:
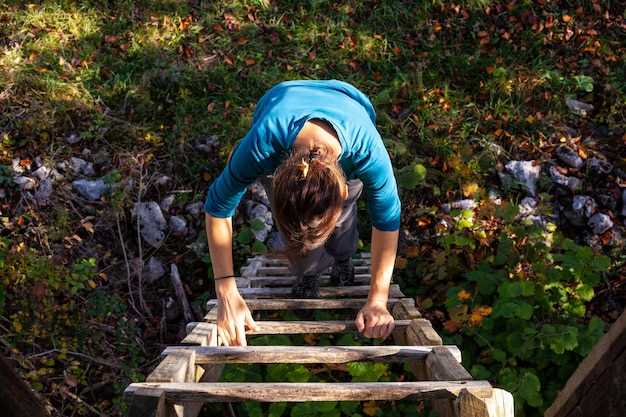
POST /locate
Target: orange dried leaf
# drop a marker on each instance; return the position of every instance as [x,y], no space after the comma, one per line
[370,408]
[463,295]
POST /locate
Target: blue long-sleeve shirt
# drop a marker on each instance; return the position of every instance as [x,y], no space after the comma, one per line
[277,120]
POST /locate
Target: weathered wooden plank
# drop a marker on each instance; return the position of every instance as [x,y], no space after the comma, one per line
[269,261]
[309,354]
[441,365]
[421,332]
[289,280]
[325,292]
[212,314]
[142,404]
[305,303]
[176,367]
[603,356]
[406,310]
[303,327]
[499,404]
[284,270]
[298,392]
[201,334]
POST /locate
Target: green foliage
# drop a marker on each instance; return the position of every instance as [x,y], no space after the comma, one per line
[411,175]
[521,310]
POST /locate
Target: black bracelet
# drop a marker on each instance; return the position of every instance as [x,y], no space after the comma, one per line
[226,276]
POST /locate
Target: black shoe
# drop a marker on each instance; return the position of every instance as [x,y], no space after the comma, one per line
[342,273]
[307,286]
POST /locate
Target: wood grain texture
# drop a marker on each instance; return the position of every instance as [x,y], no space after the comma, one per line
[305,303]
[442,365]
[269,261]
[175,367]
[325,292]
[289,280]
[284,270]
[201,334]
[308,354]
[421,332]
[302,327]
[499,404]
[596,370]
[298,392]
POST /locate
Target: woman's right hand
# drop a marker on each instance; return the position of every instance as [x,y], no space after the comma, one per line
[233,315]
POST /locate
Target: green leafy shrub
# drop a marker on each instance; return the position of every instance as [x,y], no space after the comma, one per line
[520,314]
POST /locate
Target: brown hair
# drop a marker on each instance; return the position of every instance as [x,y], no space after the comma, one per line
[307,199]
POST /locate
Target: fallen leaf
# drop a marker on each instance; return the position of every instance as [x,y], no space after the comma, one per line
[451,326]
[463,295]
[470,189]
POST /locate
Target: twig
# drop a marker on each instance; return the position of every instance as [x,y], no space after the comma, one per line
[77,354]
[128,274]
[79,400]
[180,293]
[142,302]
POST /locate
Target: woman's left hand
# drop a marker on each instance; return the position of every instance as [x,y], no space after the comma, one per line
[374,320]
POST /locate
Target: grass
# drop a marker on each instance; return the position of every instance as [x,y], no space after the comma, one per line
[457,87]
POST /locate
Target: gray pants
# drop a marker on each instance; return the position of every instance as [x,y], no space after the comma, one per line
[341,244]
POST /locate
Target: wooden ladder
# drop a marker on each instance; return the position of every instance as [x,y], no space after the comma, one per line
[187,376]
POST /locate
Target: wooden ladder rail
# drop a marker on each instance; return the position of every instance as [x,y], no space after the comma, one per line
[187,376]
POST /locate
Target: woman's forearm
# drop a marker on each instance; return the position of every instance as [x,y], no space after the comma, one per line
[220,240]
[384,249]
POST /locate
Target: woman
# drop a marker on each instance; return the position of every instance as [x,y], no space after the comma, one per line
[318,138]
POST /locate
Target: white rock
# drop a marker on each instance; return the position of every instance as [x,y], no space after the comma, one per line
[194,208]
[206,143]
[258,210]
[166,203]
[162,180]
[583,205]
[495,197]
[91,190]
[261,234]
[459,205]
[599,166]
[44,192]
[258,193]
[72,138]
[42,172]
[152,224]
[527,206]
[526,173]
[80,166]
[153,270]
[17,168]
[572,183]
[600,223]
[569,157]
[25,183]
[578,107]
[178,225]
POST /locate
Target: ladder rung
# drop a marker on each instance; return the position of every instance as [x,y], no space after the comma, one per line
[285,262]
[319,391]
[308,354]
[278,280]
[303,326]
[347,291]
[308,303]
[284,270]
